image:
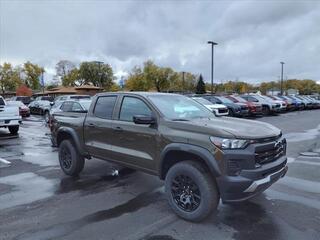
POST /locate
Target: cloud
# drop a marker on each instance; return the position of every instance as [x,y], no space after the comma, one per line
[253,36]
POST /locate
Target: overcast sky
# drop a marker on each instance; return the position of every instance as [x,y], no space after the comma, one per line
[253,36]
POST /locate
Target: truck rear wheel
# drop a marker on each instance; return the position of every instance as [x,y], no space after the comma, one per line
[71,162]
[191,191]
[14,129]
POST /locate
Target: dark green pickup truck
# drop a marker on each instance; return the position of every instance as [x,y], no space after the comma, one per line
[202,158]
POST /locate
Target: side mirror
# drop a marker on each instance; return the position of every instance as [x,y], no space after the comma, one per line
[142,119]
[51,104]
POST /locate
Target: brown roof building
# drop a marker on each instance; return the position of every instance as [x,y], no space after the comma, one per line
[85,90]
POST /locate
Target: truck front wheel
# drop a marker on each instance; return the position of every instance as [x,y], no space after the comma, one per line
[71,162]
[191,191]
[13,129]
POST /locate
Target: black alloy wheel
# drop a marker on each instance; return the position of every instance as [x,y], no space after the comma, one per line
[65,158]
[186,193]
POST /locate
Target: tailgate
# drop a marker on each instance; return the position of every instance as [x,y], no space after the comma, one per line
[9,112]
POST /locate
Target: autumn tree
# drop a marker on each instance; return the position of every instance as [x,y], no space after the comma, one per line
[32,75]
[97,74]
[72,78]
[23,90]
[137,81]
[9,77]
[63,68]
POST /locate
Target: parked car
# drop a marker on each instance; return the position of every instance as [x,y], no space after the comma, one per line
[71,97]
[45,98]
[70,106]
[201,158]
[25,99]
[40,107]
[289,103]
[283,105]
[315,101]
[297,105]
[9,116]
[24,110]
[217,109]
[302,104]
[308,104]
[255,109]
[268,107]
[311,103]
[234,109]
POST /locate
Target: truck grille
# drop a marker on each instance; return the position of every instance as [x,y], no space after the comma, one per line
[222,110]
[271,152]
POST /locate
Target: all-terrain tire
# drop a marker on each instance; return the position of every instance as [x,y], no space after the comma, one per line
[71,161]
[207,190]
[13,129]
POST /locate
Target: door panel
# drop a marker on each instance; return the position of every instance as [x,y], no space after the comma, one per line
[98,128]
[135,143]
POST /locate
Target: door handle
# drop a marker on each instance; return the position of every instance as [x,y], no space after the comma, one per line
[118,129]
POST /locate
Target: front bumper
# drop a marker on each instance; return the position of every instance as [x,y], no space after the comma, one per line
[249,171]
[251,182]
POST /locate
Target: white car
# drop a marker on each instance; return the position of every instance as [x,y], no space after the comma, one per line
[217,109]
[9,116]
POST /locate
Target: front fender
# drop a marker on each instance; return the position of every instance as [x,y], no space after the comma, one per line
[201,152]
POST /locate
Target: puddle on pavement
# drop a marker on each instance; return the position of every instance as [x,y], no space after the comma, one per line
[301,184]
[91,183]
[26,188]
[59,230]
[250,220]
[275,195]
[303,136]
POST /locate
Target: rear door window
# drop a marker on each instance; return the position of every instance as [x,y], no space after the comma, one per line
[104,107]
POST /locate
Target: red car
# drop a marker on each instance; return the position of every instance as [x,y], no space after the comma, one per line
[24,110]
[254,108]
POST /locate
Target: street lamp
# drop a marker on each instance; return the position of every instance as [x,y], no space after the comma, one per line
[100,74]
[212,47]
[281,81]
[183,81]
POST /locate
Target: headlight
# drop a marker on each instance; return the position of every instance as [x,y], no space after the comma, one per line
[224,143]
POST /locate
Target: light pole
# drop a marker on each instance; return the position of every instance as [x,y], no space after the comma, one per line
[212,69]
[281,81]
[100,74]
[183,81]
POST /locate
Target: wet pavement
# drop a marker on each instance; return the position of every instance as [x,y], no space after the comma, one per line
[37,201]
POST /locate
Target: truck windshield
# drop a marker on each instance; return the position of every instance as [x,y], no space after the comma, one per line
[177,107]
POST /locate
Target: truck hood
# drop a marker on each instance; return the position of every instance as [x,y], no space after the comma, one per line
[228,127]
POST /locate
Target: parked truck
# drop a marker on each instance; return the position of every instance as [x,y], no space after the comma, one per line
[9,116]
[201,158]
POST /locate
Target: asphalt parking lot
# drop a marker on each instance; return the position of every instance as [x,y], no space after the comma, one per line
[37,201]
